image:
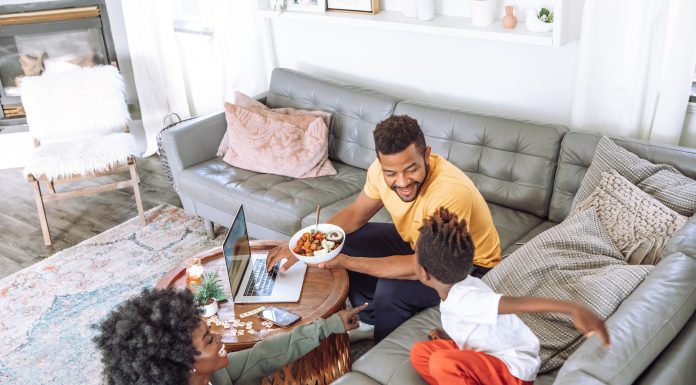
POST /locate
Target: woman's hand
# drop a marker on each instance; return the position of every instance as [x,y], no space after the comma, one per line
[350,317]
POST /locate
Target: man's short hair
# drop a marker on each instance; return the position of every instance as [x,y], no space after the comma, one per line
[444,247]
[395,133]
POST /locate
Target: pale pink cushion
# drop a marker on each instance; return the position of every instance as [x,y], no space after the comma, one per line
[244,100]
[266,141]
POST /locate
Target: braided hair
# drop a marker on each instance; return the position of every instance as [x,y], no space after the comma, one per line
[444,247]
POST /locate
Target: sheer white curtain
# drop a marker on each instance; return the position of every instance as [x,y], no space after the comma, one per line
[635,66]
[168,79]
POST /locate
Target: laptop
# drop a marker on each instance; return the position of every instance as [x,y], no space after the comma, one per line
[249,280]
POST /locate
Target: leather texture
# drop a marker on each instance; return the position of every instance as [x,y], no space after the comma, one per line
[274,201]
[511,162]
[577,151]
[354,378]
[357,111]
[329,211]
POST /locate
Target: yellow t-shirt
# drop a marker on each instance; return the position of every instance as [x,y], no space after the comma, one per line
[449,187]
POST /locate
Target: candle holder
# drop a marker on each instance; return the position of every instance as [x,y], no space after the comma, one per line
[194,272]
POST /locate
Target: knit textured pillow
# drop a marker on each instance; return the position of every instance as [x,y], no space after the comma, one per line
[639,225]
[573,261]
[610,156]
[675,190]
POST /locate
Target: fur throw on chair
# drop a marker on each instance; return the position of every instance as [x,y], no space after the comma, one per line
[75,104]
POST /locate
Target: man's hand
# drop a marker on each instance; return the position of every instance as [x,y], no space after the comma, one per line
[338,262]
[438,334]
[590,324]
[350,317]
[278,254]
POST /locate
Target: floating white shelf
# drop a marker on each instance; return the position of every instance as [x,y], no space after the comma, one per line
[567,23]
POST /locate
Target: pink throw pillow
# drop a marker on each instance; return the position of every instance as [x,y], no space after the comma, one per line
[266,141]
[244,100]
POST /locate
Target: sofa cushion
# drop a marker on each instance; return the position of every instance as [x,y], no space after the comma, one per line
[273,201]
[388,362]
[511,224]
[357,111]
[577,151]
[511,162]
[609,156]
[329,211]
[639,224]
[675,190]
[573,261]
[521,241]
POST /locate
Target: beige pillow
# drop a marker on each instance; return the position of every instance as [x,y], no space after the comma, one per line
[268,142]
[244,100]
[639,225]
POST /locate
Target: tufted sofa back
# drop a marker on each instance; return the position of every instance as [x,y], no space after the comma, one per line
[355,111]
[512,163]
[577,151]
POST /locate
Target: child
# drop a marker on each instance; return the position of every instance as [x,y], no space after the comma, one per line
[483,341]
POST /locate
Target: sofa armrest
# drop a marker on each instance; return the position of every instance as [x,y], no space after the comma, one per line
[645,323]
[190,142]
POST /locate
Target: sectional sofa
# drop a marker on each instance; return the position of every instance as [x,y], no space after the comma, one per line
[528,173]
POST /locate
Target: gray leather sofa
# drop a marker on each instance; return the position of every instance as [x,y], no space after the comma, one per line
[527,172]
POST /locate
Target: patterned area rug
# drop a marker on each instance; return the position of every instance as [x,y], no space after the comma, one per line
[48,309]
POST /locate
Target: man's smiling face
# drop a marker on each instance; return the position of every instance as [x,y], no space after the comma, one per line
[405,172]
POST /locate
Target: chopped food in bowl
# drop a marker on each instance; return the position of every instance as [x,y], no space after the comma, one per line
[316,245]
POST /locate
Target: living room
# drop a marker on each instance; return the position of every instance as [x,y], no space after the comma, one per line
[520,112]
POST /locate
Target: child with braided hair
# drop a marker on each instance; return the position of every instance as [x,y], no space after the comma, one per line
[483,341]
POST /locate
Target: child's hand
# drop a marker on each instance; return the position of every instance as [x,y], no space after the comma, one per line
[438,334]
[590,324]
[350,317]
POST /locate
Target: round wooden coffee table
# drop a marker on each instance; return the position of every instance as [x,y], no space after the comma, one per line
[324,293]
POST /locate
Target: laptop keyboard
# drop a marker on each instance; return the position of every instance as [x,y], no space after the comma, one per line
[261,282]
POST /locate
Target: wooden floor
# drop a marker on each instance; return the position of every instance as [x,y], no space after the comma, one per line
[72,220]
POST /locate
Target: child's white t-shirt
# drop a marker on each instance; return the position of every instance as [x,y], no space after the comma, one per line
[470,317]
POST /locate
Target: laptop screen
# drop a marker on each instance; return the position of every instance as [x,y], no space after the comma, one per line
[237,251]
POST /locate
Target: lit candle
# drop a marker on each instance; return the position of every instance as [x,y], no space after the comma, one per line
[194,272]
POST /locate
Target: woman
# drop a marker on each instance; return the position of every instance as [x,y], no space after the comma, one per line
[158,337]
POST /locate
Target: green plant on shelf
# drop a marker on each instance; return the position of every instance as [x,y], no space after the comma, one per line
[545,15]
[210,288]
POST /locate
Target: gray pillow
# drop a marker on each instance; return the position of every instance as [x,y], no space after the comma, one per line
[676,191]
[610,156]
[573,261]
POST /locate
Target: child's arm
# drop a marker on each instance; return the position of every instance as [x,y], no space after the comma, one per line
[438,334]
[585,320]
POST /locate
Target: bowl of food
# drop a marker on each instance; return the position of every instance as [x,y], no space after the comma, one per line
[317,244]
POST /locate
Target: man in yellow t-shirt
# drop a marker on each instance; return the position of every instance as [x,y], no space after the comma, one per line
[411,184]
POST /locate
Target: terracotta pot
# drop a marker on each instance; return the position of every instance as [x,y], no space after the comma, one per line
[509,20]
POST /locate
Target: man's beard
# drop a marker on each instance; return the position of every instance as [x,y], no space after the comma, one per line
[419,185]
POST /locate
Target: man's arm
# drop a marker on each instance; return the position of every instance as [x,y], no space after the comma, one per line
[585,320]
[392,267]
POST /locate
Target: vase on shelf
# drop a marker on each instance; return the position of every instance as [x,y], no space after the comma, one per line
[409,8]
[509,20]
[482,12]
[534,24]
[426,9]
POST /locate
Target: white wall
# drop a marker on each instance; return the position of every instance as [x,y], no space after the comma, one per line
[517,80]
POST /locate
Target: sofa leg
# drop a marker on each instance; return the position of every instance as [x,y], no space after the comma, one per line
[209,228]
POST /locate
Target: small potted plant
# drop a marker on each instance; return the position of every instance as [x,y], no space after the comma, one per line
[208,294]
[539,21]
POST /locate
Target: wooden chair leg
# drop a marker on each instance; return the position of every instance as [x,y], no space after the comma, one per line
[136,191]
[42,211]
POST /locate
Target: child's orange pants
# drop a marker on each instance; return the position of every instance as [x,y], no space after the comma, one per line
[441,362]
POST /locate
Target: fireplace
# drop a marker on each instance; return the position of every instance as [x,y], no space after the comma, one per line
[48,36]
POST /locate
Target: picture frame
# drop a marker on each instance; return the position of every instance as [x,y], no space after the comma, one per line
[306,5]
[358,6]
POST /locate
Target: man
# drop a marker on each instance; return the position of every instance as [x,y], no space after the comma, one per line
[411,183]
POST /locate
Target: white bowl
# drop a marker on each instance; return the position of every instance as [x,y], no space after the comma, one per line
[324,228]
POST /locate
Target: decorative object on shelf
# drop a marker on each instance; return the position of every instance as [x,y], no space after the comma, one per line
[305,5]
[482,12]
[194,272]
[277,5]
[360,6]
[539,21]
[426,9]
[409,8]
[509,20]
[208,294]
